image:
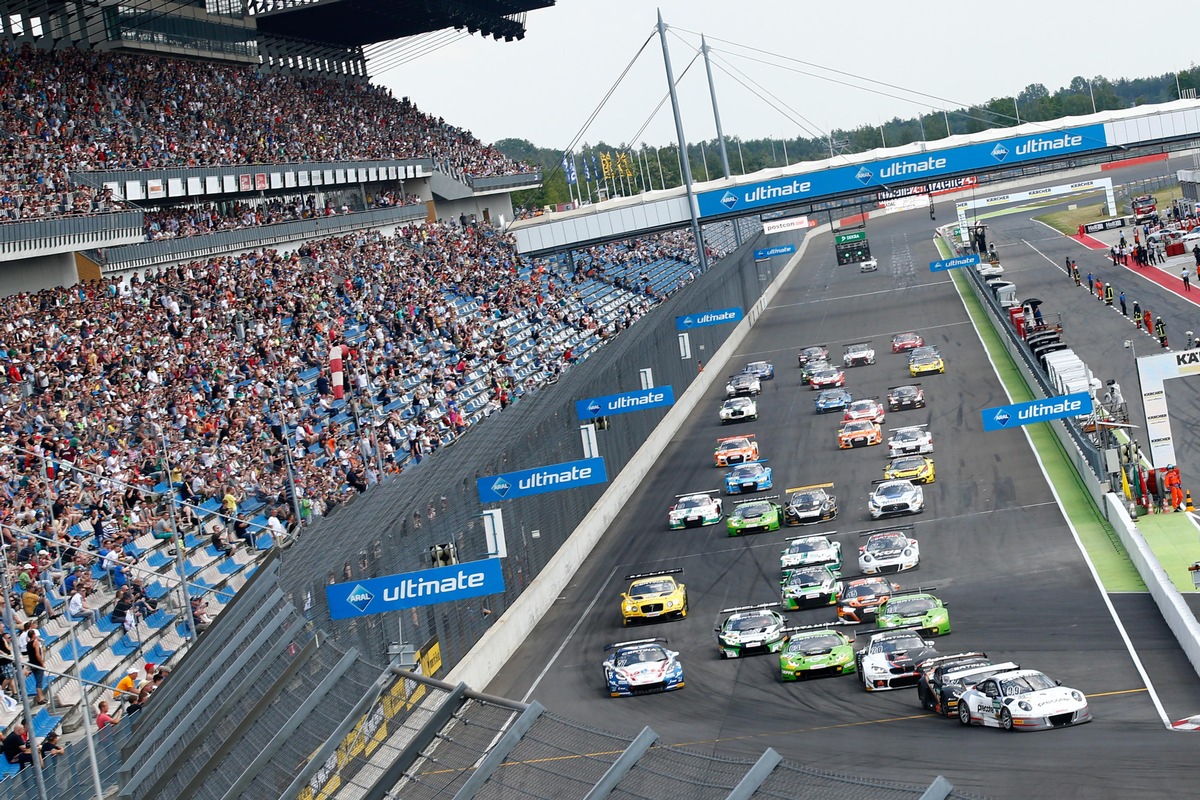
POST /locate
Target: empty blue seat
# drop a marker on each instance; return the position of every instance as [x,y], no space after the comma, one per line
[125,646]
[156,590]
[157,620]
[92,673]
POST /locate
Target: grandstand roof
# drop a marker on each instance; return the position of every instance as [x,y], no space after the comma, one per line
[360,22]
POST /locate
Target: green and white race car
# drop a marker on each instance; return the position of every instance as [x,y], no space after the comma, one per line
[815,654]
[750,630]
[814,550]
[757,514]
[811,587]
[916,609]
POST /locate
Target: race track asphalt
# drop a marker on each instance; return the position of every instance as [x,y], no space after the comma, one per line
[993,542]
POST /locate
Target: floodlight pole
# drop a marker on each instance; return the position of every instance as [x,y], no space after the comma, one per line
[686,167]
[86,709]
[10,623]
[712,93]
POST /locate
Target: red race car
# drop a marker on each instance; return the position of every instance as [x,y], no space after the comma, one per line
[908,340]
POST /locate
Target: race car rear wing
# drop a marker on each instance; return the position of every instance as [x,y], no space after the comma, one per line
[920,427]
[902,385]
[889,529]
[837,623]
[773,604]
[930,663]
[821,535]
[747,436]
[635,576]
[980,670]
[693,494]
[917,590]
[811,486]
[615,645]
[756,498]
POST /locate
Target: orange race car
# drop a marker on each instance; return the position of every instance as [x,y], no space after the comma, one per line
[735,450]
[859,433]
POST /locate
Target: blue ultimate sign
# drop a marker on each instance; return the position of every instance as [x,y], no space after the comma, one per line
[412,589]
[954,263]
[551,478]
[718,317]
[888,172]
[1048,408]
[769,252]
[623,403]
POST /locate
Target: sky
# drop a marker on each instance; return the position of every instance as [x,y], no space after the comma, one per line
[546,87]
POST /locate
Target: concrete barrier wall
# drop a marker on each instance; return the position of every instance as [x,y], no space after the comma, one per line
[1174,609]
[501,640]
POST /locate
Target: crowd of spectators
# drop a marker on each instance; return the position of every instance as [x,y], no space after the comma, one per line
[69,111]
[177,222]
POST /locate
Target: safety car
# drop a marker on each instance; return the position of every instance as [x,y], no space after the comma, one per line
[888,551]
[827,378]
[870,265]
[906,341]
[918,469]
[753,476]
[928,364]
[945,678]
[895,497]
[642,666]
[814,550]
[816,653]
[916,609]
[810,587]
[861,598]
[735,450]
[859,433]
[910,440]
[763,370]
[695,510]
[750,630]
[890,659]
[858,355]
[868,408]
[809,504]
[907,396]
[1022,700]
[758,514]
[738,408]
[832,400]
[742,385]
[652,596]
[816,352]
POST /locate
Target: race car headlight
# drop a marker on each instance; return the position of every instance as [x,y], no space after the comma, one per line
[1076,696]
[630,608]
[875,669]
[866,557]
[670,604]
[1024,706]
[908,552]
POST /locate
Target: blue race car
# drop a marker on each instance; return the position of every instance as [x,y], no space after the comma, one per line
[643,666]
[753,476]
[833,400]
[763,370]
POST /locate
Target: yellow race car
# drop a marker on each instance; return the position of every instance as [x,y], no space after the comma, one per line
[652,596]
[926,364]
[918,469]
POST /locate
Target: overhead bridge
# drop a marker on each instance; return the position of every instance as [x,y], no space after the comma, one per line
[861,178]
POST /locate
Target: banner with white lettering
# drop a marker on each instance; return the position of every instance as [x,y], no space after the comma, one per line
[413,589]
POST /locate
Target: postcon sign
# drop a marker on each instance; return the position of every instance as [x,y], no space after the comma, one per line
[412,589]
[954,263]
[705,318]
[551,478]
[1043,410]
[771,252]
[606,406]
[886,173]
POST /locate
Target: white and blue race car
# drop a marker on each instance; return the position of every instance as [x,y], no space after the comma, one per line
[763,370]
[753,476]
[1022,700]
[833,400]
[642,666]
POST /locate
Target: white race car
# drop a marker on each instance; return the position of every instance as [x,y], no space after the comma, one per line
[890,659]
[743,385]
[1022,700]
[857,355]
[696,509]
[641,667]
[895,497]
[911,440]
[891,550]
[810,551]
[739,408]
[869,408]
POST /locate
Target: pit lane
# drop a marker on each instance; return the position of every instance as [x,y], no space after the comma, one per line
[993,542]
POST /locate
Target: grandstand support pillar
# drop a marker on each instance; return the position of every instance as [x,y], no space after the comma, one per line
[683,161]
[177,541]
[712,93]
[10,624]
[85,708]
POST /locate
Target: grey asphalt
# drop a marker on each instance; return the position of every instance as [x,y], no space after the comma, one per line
[993,542]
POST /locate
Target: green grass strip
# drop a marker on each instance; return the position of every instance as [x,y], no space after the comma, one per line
[1098,537]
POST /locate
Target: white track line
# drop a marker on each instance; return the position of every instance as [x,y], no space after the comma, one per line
[1137,661]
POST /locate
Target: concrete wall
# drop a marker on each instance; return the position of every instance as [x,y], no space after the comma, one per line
[37,273]
[501,641]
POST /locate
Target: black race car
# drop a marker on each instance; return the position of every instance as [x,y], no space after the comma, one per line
[941,680]
[907,396]
[817,352]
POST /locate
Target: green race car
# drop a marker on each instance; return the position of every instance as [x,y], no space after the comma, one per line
[919,610]
[759,514]
[816,654]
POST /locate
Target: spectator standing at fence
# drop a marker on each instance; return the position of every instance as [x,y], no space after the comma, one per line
[104,718]
[51,747]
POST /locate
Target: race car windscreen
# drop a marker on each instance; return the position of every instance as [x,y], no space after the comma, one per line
[898,644]
[693,502]
[807,499]
[651,587]
[904,437]
[893,491]
[808,545]
[753,509]
[1026,683]
[805,577]
[736,444]
[751,623]
[888,541]
[645,655]
[855,592]
[911,605]
[745,472]
[905,464]
[858,426]
[814,645]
